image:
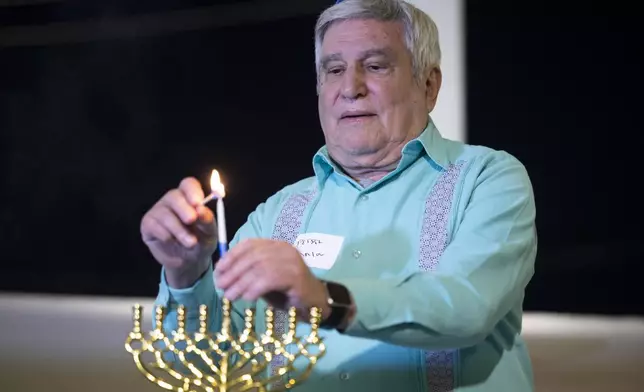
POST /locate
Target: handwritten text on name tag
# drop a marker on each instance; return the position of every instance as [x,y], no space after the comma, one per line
[319,250]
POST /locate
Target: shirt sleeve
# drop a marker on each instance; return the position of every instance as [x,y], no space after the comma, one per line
[482,273]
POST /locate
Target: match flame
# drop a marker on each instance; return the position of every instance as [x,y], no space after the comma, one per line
[215,184]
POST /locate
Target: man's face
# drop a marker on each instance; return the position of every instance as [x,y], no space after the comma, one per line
[369,101]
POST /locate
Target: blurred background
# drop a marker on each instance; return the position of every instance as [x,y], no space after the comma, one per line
[105,105]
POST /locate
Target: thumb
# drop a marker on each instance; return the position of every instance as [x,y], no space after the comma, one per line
[205,222]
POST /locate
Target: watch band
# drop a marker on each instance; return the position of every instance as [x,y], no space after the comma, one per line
[339,301]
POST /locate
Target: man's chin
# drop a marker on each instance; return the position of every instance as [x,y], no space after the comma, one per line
[360,148]
[355,153]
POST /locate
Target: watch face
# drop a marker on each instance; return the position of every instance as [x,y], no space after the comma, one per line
[339,295]
[339,302]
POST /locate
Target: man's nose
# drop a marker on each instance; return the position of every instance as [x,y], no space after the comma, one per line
[353,83]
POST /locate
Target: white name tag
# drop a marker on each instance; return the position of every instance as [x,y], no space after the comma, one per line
[319,250]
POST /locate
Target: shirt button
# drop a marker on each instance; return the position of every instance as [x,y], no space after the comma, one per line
[344,376]
[364,198]
[357,254]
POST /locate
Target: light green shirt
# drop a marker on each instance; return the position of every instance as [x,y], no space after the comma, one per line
[436,254]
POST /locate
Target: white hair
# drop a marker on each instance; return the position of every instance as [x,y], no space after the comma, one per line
[421,33]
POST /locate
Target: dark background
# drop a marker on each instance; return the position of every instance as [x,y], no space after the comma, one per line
[98,119]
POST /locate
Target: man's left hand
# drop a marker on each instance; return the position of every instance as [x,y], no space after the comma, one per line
[274,271]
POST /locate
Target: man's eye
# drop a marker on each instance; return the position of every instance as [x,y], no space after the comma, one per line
[375,67]
[334,71]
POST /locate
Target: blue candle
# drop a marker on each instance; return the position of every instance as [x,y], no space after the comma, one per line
[221,227]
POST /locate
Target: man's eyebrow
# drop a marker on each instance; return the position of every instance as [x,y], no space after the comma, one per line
[330,57]
[384,52]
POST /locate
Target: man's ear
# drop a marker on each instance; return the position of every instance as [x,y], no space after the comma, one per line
[433,84]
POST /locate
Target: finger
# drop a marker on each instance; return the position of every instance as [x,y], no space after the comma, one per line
[166,218]
[151,230]
[206,221]
[261,285]
[234,254]
[177,202]
[240,267]
[242,286]
[192,190]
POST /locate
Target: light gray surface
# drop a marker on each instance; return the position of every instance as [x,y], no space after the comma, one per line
[69,344]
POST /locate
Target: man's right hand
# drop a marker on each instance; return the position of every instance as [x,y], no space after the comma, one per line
[181,234]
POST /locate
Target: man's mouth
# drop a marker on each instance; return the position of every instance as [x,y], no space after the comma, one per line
[356,115]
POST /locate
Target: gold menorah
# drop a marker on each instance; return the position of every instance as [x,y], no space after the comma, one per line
[221,361]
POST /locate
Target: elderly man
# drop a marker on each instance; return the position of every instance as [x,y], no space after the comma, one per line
[428,243]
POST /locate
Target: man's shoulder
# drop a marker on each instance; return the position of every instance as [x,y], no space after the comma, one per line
[480,166]
[302,188]
[261,220]
[484,169]
[483,157]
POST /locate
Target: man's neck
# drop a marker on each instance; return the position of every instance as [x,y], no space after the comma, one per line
[366,176]
[371,168]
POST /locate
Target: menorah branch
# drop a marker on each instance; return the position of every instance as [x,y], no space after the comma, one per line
[221,360]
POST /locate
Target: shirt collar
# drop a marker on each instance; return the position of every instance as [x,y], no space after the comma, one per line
[429,142]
